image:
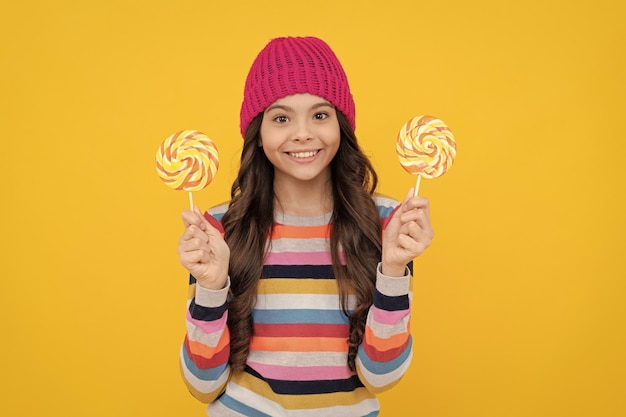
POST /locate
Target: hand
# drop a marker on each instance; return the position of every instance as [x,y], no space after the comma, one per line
[203,251]
[407,235]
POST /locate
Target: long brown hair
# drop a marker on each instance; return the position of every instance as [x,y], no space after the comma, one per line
[356,230]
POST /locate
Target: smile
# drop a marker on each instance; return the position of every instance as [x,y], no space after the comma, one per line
[303,155]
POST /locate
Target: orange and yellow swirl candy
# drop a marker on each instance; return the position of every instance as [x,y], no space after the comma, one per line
[188,161]
[425,147]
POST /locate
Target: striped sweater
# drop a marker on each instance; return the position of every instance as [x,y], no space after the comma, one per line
[297,365]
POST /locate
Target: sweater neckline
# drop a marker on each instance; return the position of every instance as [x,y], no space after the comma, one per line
[291,220]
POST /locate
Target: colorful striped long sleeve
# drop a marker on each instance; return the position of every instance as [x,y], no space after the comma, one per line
[297,365]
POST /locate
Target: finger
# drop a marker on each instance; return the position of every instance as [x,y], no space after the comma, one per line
[194,261]
[194,232]
[201,218]
[414,246]
[209,224]
[419,216]
[191,259]
[418,229]
[423,220]
[417,203]
[185,249]
[191,217]
[411,230]
[415,215]
[199,214]
[189,243]
[398,211]
[409,196]
[409,247]
[194,257]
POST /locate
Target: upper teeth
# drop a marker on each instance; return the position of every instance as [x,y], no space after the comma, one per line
[303,154]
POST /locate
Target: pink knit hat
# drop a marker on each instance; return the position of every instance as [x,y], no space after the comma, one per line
[295,65]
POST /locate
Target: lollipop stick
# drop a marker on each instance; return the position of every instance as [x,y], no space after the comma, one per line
[417,185]
[190,201]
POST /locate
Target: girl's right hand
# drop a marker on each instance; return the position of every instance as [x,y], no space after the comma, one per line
[203,251]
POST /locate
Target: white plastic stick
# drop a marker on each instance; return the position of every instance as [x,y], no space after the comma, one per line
[190,201]
[417,185]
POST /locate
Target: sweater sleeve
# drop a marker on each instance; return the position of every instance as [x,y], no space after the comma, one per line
[386,351]
[205,351]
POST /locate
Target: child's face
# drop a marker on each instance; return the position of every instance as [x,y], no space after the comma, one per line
[300,136]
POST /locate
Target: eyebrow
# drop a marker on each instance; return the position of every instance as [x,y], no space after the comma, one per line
[290,109]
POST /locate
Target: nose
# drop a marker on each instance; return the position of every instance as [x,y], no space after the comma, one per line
[303,132]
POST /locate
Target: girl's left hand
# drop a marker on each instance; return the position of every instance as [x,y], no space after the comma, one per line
[407,235]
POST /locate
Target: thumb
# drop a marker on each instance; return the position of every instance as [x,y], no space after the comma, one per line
[394,222]
[407,197]
[202,222]
[210,225]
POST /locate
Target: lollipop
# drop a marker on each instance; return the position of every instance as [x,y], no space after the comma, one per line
[187,161]
[425,148]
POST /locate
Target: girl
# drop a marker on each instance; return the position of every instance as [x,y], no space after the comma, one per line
[299,289]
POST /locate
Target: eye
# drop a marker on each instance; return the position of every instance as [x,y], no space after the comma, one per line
[321,115]
[281,119]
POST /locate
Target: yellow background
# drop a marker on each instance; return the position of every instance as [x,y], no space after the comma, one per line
[519,304]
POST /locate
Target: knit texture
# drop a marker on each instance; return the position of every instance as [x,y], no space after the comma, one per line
[295,65]
[297,364]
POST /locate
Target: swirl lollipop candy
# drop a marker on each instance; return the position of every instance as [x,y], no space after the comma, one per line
[425,148]
[188,161]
